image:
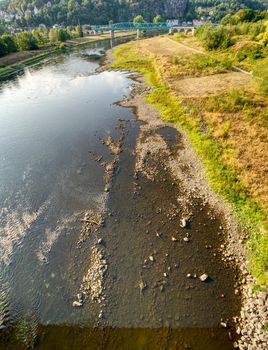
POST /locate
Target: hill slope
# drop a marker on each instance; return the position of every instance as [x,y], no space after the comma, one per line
[72,12]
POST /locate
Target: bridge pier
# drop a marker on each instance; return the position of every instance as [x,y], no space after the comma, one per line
[112,34]
[138,33]
[170,31]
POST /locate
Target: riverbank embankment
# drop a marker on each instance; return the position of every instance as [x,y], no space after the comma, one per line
[211,105]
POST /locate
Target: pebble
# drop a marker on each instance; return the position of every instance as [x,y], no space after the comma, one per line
[186,239]
[174,239]
[183,222]
[203,277]
[151,258]
[77,304]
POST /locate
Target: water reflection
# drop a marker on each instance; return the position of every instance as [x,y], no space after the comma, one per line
[50,118]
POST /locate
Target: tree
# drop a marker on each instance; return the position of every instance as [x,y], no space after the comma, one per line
[56,35]
[158,19]
[79,32]
[3,48]
[9,41]
[40,36]
[138,19]
[26,41]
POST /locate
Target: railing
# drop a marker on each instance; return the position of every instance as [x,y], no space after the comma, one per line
[130,26]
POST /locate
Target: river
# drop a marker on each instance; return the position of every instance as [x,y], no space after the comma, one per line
[71,223]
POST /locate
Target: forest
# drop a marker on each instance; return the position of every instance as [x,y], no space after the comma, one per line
[75,12]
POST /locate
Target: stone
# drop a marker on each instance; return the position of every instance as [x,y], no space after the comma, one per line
[142,286]
[183,223]
[189,275]
[151,258]
[174,239]
[100,241]
[186,239]
[223,324]
[77,304]
[204,277]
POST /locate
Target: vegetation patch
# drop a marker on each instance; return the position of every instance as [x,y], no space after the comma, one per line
[223,179]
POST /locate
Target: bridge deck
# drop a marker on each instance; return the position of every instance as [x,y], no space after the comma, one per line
[133,26]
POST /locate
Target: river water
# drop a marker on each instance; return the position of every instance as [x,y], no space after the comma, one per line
[54,120]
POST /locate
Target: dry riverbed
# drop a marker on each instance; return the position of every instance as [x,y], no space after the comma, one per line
[163,154]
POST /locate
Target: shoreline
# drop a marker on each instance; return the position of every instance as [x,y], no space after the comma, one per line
[253,314]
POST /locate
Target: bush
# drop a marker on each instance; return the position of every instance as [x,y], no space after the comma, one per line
[214,38]
[3,48]
[56,35]
[248,49]
[26,41]
[79,32]
[138,19]
[40,36]
[10,42]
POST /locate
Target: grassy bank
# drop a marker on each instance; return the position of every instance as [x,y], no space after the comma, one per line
[223,177]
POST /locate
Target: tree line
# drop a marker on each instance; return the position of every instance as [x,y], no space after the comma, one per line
[74,12]
[32,40]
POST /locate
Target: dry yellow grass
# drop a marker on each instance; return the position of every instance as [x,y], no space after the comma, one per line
[244,139]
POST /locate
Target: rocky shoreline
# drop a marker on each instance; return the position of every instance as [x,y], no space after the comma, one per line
[251,324]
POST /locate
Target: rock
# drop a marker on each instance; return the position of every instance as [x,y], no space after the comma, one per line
[80,297]
[186,239]
[165,274]
[223,324]
[189,275]
[101,314]
[183,222]
[174,239]
[204,277]
[100,241]
[151,258]
[77,304]
[142,286]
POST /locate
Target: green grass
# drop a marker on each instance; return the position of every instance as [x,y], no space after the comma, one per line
[9,70]
[223,180]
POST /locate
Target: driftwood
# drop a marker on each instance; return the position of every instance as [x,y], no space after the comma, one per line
[90,221]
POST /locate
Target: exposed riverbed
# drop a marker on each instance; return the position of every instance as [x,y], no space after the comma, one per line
[106,241]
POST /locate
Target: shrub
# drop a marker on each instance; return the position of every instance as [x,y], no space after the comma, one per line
[3,48]
[138,19]
[26,41]
[40,36]
[56,35]
[248,49]
[10,42]
[214,38]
